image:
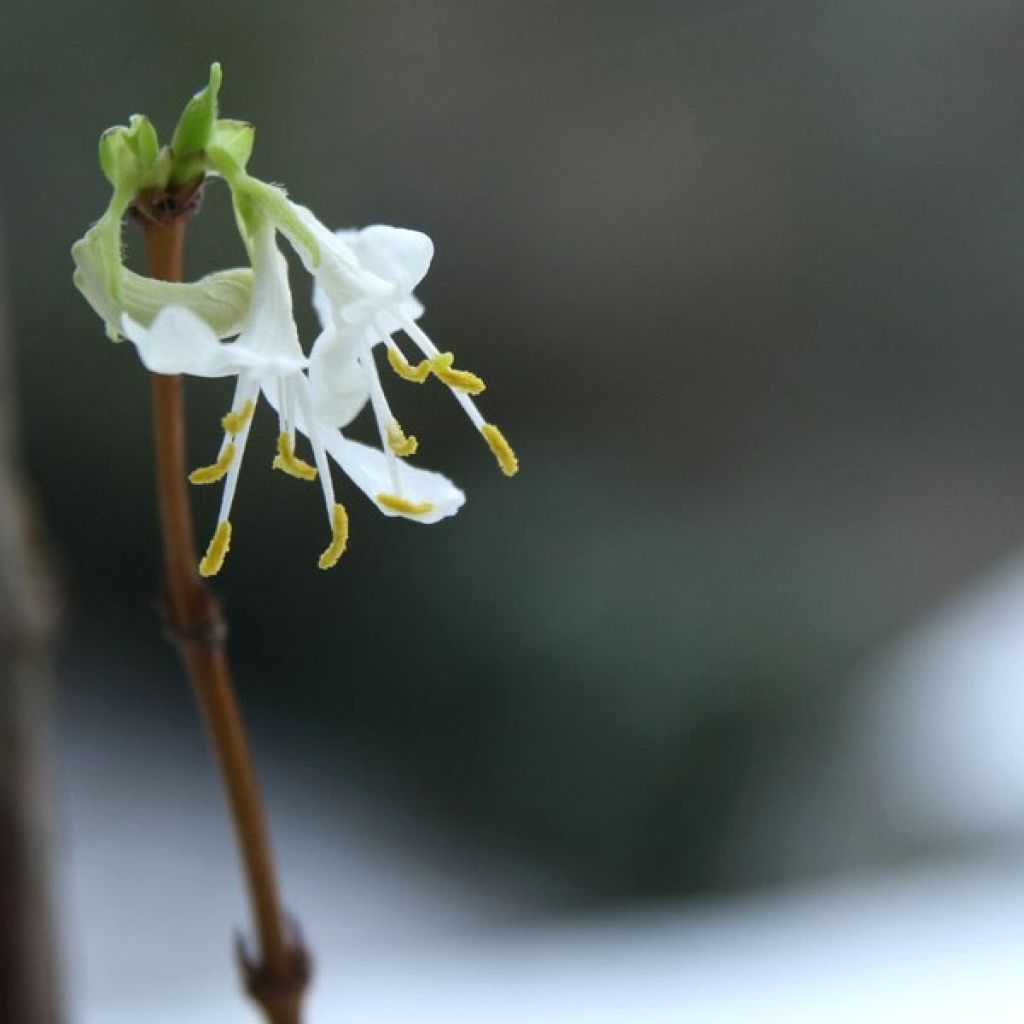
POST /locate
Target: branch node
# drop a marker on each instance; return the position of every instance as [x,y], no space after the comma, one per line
[205,628]
[278,988]
[161,205]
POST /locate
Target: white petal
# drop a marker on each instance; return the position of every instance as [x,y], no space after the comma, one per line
[343,285]
[270,332]
[399,256]
[360,300]
[322,305]
[178,341]
[337,383]
[391,262]
[330,243]
[410,308]
[368,469]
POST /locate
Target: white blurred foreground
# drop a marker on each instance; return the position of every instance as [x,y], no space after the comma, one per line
[938,947]
[944,733]
[409,926]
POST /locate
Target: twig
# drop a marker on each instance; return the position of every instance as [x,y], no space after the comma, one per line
[277,976]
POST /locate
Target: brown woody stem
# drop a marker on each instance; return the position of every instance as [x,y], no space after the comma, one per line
[278,975]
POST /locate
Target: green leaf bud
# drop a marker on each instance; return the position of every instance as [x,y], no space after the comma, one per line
[142,138]
[118,159]
[194,130]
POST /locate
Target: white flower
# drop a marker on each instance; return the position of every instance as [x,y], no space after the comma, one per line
[341,378]
[266,357]
[364,283]
[392,262]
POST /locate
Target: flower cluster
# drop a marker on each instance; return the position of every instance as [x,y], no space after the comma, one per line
[364,283]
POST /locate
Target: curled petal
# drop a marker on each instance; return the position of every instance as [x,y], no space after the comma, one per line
[220,299]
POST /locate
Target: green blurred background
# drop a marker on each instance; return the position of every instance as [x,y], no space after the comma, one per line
[743,279]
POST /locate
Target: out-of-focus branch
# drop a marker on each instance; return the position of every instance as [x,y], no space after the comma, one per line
[28,974]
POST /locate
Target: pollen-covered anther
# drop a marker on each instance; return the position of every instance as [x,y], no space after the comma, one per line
[402,444]
[501,448]
[217,471]
[417,374]
[234,421]
[404,506]
[213,560]
[441,366]
[339,538]
[288,462]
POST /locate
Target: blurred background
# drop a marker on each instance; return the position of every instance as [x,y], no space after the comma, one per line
[716,708]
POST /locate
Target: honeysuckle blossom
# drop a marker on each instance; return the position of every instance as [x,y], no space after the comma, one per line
[364,294]
[266,356]
[396,259]
[267,359]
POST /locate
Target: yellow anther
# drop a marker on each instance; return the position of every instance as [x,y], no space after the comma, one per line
[211,474]
[462,380]
[501,448]
[234,421]
[417,374]
[404,505]
[401,444]
[213,560]
[339,538]
[288,462]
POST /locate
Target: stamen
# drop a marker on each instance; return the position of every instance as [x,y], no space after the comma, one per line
[381,413]
[417,374]
[401,444]
[462,380]
[429,350]
[234,421]
[302,399]
[301,387]
[501,448]
[339,538]
[246,394]
[218,470]
[288,462]
[213,560]
[404,505]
